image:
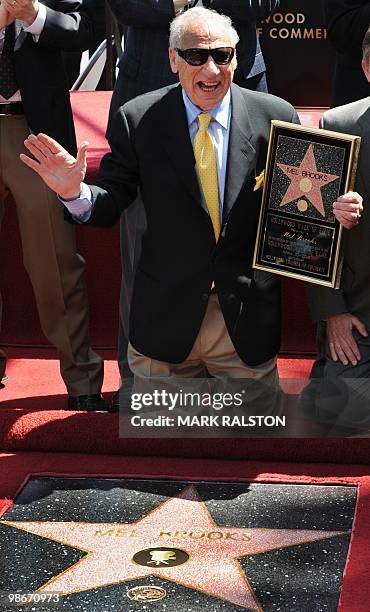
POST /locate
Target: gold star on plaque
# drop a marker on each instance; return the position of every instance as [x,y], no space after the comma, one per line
[306,180]
[182,540]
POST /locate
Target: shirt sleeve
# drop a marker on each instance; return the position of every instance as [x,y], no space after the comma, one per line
[38,25]
[81,207]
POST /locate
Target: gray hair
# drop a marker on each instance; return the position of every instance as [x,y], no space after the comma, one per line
[181,23]
[366,46]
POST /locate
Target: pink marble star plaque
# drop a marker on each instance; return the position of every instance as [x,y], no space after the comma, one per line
[177,541]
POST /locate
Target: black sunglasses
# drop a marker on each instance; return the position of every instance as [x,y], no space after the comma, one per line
[197,57]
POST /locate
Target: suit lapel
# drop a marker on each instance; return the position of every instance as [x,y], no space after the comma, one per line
[178,144]
[241,155]
[20,35]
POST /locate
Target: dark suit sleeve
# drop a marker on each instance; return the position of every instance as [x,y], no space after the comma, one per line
[244,10]
[143,13]
[118,178]
[323,301]
[347,22]
[67,27]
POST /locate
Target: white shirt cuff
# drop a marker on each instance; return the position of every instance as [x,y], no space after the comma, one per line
[81,207]
[38,25]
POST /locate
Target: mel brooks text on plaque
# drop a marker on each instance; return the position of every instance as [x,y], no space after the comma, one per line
[307,169]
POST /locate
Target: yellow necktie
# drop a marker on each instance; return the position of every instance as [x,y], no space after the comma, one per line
[205,158]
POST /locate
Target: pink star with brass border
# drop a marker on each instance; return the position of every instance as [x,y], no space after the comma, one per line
[182,522]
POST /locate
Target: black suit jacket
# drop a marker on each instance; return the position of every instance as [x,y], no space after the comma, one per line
[40,72]
[347,22]
[354,293]
[151,149]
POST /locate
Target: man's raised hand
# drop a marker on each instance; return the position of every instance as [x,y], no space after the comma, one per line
[5,17]
[25,10]
[58,169]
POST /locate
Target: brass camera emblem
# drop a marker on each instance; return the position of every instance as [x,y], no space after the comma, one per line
[160,557]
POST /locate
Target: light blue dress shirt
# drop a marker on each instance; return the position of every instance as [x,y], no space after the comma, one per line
[219,129]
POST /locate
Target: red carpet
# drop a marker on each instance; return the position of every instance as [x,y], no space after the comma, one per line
[32,418]
[98,433]
[17,468]
[34,381]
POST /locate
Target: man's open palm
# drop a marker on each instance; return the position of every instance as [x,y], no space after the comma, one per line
[60,170]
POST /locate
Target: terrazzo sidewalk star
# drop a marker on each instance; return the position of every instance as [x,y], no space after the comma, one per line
[165,537]
[212,565]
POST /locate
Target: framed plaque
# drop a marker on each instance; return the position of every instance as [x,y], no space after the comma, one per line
[307,169]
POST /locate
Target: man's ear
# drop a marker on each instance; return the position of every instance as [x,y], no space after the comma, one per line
[174,58]
[366,68]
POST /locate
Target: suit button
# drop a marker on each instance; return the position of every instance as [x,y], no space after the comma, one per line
[205,297]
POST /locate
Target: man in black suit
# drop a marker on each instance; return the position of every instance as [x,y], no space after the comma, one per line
[145,66]
[34,98]
[340,391]
[195,150]
[347,22]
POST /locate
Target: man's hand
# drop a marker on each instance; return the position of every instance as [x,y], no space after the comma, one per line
[25,10]
[60,171]
[5,17]
[342,344]
[348,209]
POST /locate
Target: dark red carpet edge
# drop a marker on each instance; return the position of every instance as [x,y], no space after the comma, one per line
[17,468]
[63,431]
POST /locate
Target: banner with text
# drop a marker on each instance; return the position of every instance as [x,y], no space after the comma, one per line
[299,58]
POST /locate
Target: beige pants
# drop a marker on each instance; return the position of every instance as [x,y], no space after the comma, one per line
[213,348]
[55,269]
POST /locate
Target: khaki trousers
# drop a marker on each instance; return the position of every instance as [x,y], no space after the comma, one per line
[55,269]
[213,348]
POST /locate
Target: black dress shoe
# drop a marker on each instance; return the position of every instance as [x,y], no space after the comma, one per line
[121,400]
[92,402]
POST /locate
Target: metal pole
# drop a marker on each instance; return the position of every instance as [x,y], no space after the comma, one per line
[110,64]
